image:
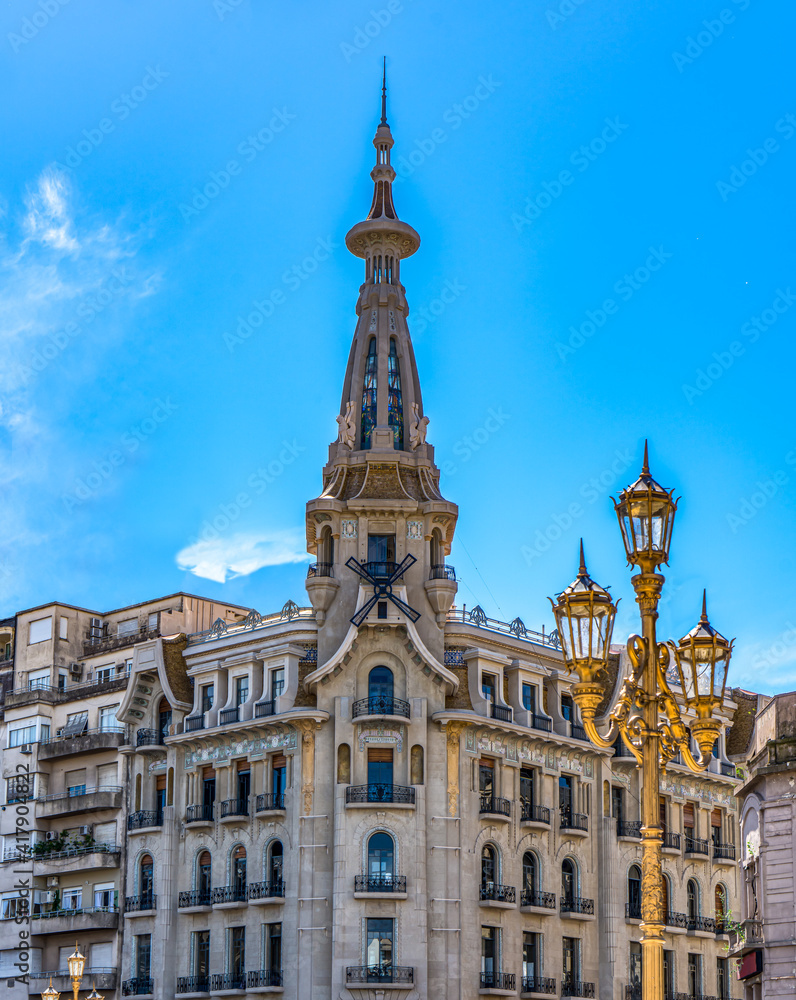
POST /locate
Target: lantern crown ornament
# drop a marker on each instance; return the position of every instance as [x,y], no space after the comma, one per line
[50,993]
[93,995]
[585,613]
[645,512]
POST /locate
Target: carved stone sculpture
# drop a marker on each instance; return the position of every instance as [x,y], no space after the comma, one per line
[348,427]
[417,428]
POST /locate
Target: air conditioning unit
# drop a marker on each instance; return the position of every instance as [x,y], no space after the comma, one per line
[48,897]
[53,881]
[51,835]
[76,669]
[26,748]
[85,830]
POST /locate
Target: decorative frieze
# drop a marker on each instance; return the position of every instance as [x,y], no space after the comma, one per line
[522,751]
[239,748]
[381,734]
[692,788]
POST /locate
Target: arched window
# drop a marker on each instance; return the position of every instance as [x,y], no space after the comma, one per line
[569,880]
[530,875]
[344,764]
[634,892]
[164,717]
[275,867]
[239,874]
[137,799]
[380,691]
[204,881]
[416,765]
[692,894]
[395,409]
[170,787]
[381,861]
[325,553]
[489,867]
[666,896]
[720,903]
[369,390]
[146,882]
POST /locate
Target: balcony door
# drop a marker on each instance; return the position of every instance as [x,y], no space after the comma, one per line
[208,790]
[278,778]
[569,881]
[635,967]
[526,790]
[381,859]
[668,971]
[237,953]
[379,945]
[380,691]
[143,956]
[239,872]
[530,955]
[565,795]
[486,777]
[201,959]
[244,787]
[380,771]
[570,970]
[489,955]
[146,881]
[204,881]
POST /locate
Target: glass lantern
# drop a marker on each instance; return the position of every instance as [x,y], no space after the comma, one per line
[645,512]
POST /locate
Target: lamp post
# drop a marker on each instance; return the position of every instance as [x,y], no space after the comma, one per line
[646,715]
[76,963]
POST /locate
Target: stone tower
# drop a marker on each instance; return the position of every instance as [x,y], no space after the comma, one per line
[380,530]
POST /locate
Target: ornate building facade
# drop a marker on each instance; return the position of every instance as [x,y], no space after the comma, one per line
[382,795]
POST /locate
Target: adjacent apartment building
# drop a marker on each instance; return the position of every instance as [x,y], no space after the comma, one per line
[65,777]
[382,794]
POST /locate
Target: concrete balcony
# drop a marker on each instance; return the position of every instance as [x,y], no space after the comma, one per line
[74,921]
[576,908]
[88,800]
[77,859]
[94,739]
[103,979]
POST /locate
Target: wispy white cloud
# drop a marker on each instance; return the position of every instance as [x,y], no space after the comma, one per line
[241,554]
[47,218]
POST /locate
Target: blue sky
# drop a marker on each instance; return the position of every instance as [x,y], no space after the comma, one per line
[555,156]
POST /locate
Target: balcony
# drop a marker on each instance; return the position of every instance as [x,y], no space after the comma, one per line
[74,858]
[676,920]
[500,712]
[395,795]
[671,842]
[493,894]
[102,978]
[577,732]
[144,819]
[381,571]
[576,823]
[491,805]
[728,770]
[92,739]
[138,987]
[498,981]
[193,723]
[36,692]
[265,708]
[545,725]
[724,853]
[320,569]
[381,705]
[234,809]
[746,937]
[628,829]
[79,800]
[193,984]
[146,738]
[573,988]
[269,802]
[267,892]
[263,979]
[145,903]
[537,984]
[72,921]
[537,815]
[229,896]
[387,885]
[228,982]
[703,925]
[228,716]
[633,911]
[537,900]
[366,974]
[576,907]
[442,572]
[194,899]
[200,814]
[633,992]
[693,845]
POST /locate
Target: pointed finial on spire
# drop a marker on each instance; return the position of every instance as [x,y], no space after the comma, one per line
[384,94]
[704,617]
[582,569]
[646,469]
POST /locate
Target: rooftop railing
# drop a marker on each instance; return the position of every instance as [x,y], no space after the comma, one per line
[478,617]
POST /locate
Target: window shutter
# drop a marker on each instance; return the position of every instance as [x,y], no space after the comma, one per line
[380,755]
[688,815]
[279,760]
[106,775]
[208,772]
[715,817]
[487,762]
[161,783]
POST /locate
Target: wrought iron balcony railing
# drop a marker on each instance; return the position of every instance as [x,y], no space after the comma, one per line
[380,570]
[498,981]
[229,894]
[576,904]
[573,821]
[574,988]
[500,712]
[268,801]
[320,569]
[146,901]
[532,897]
[194,897]
[633,910]
[262,978]
[380,792]
[633,992]
[498,893]
[265,708]
[148,738]
[379,974]
[138,987]
[494,805]
[200,814]
[724,852]
[676,919]
[380,883]
[631,828]
[381,705]
[694,845]
[535,814]
[443,572]
[235,807]
[728,770]
[542,723]
[707,924]
[227,981]
[672,841]
[275,889]
[144,818]
[194,722]
[538,984]
[228,716]
[193,984]
[577,732]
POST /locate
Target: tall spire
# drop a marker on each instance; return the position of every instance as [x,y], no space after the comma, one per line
[384,95]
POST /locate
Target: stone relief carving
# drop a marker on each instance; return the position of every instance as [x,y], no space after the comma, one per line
[348,427]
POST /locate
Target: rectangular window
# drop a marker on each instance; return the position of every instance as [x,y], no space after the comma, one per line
[107,719]
[635,966]
[531,955]
[489,955]
[207,697]
[277,682]
[241,689]
[100,955]
[715,826]
[566,708]
[201,954]
[105,833]
[381,550]
[273,955]
[76,724]
[12,907]
[688,818]
[152,621]
[127,627]
[486,776]
[72,899]
[143,955]
[107,776]
[529,698]
[278,774]
[488,687]
[105,896]
[19,736]
[40,630]
[723,978]
[379,767]
[237,952]
[39,679]
[379,943]
[19,789]
[571,965]
[527,790]
[63,628]
[668,973]
[107,672]
[694,974]
[76,782]
[617,810]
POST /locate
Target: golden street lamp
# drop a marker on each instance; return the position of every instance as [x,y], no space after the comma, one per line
[93,995]
[646,715]
[50,993]
[76,963]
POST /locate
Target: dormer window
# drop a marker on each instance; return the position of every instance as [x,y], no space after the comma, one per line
[488,687]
